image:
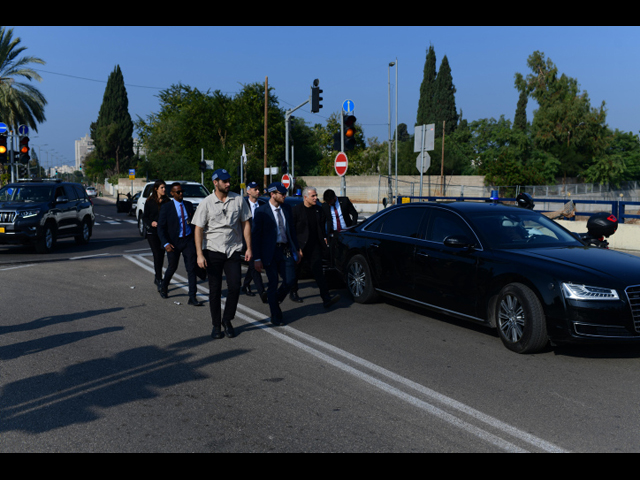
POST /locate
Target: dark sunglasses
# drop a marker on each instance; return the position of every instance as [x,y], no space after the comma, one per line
[178,192]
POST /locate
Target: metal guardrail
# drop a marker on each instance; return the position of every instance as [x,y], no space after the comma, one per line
[617,207]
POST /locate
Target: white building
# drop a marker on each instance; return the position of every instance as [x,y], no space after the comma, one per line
[84,146]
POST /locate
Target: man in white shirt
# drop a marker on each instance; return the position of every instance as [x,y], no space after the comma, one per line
[222,220]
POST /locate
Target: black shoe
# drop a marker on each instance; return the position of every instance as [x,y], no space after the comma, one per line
[277,319]
[163,292]
[263,296]
[330,301]
[216,333]
[195,302]
[228,330]
[247,291]
[294,297]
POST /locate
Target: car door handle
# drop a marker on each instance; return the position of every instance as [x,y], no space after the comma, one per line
[422,254]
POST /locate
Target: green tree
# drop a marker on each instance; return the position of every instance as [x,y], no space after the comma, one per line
[426,107]
[565,125]
[520,119]
[112,132]
[444,100]
[20,103]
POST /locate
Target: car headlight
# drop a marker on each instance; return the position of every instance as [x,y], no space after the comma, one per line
[28,213]
[585,292]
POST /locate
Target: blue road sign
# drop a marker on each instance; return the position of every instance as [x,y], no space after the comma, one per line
[3,127]
[23,130]
[348,106]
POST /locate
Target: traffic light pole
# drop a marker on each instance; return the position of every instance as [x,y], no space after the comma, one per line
[287,115]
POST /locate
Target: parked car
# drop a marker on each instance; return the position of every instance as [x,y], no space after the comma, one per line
[41,212]
[504,267]
[92,192]
[134,204]
[193,192]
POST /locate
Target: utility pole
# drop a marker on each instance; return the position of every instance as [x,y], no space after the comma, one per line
[266,100]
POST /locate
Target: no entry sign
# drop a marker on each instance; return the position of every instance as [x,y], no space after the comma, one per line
[341,164]
[286,180]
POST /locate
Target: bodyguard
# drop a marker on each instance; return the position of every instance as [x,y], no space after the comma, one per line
[221,221]
[275,246]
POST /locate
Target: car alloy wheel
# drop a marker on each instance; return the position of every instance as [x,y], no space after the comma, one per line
[359,280]
[511,318]
[521,320]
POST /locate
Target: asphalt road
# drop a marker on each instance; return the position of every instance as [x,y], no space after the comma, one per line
[93,360]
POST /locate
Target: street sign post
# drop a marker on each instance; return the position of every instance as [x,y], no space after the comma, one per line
[3,128]
[424,140]
[341,164]
[23,130]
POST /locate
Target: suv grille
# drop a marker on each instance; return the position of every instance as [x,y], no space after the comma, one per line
[633,294]
[7,217]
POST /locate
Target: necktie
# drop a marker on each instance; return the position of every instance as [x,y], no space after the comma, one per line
[337,219]
[283,233]
[184,225]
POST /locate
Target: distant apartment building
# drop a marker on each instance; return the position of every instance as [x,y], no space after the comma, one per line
[84,146]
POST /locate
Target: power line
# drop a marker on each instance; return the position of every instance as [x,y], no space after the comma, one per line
[94,80]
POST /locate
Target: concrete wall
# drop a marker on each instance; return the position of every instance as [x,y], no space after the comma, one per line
[627,237]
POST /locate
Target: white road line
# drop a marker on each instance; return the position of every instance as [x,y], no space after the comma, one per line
[257,319]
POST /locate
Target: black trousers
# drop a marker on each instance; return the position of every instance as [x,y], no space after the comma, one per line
[313,258]
[217,264]
[158,254]
[187,247]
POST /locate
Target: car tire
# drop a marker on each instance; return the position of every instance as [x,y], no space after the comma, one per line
[142,229]
[520,319]
[46,242]
[359,281]
[85,233]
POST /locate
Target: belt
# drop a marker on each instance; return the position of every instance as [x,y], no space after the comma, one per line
[281,245]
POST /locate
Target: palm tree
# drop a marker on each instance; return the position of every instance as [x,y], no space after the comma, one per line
[20,103]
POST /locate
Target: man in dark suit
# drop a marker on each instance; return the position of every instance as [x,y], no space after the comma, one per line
[176,236]
[310,222]
[275,247]
[253,192]
[340,212]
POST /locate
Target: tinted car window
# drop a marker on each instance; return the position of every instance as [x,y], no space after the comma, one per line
[444,224]
[403,222]
[521,229]
[70,192]
[30,193]
[80,191]
[194,191]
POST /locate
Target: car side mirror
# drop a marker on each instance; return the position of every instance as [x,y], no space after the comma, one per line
[459,241]
[62,200]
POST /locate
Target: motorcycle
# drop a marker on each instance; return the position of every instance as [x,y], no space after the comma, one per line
[600,225]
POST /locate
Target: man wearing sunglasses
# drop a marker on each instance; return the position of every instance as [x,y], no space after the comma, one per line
[221,221]
[176,235]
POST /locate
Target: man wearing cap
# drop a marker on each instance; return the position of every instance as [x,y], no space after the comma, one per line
[275,247]
[222,220]
[253,192]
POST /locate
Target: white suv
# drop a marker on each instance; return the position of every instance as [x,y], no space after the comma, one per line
[193,192]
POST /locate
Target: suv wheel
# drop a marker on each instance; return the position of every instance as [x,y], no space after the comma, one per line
[85,234]
[141,228]
[46,242]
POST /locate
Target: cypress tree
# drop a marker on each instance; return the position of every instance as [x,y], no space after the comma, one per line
[445,100]
[426,110]
[520,120]
[112,132]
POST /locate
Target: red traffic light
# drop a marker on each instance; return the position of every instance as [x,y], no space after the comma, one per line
[24,144]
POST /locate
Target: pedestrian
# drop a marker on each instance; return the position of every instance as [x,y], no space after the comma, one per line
[152,206]
[176,235]
[310,222]
[275,246]
[221,221]
[253,192]
[340,212]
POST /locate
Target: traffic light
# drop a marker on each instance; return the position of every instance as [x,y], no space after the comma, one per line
[349,129]
[284,167]
[203,166]
[3,149]
[24,150]
[315,97]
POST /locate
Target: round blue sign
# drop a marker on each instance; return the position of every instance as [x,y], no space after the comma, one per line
[3,127]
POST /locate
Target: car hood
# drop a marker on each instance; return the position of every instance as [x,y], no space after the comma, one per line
[605,265]
[22,205]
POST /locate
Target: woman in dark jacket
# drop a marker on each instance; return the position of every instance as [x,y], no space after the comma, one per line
[150,217]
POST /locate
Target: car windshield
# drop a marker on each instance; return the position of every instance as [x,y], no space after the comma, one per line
[197,191]
[28,193]
[521,229]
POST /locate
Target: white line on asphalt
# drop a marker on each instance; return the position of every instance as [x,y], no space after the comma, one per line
[258,320]
[89,256]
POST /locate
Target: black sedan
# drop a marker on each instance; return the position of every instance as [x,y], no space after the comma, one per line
[504,267]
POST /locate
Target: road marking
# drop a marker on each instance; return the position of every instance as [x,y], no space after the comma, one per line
[366,373]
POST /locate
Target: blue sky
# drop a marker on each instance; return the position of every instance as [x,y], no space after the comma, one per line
[350,62]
